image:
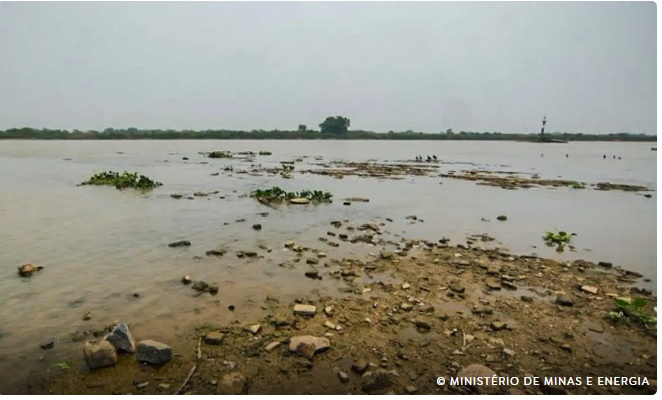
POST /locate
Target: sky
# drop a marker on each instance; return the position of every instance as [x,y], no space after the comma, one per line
[425,66]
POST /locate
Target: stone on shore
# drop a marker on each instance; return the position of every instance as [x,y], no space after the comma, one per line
[590,289]
[120,337]
[305,310]
[307,346]
[153,352]
[378,381]
[478,370]
[233,383]
[99,355]
[299,200]
[214,338]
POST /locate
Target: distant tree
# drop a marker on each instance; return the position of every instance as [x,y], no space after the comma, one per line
[335,125]
[302,128]
[449,131]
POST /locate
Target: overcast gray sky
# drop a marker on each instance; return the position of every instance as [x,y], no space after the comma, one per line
[591,67]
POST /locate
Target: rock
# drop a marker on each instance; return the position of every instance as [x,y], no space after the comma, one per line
[305,310]
[509,285]
[153,352]
[502,218]
[186,279]
[605,264]
[509,352]
[596,327]
[406,286]
[120,337]
[181,243]
[360,366]
[412,217]
[411,389]
[498,325]
[343,376]
[564,301]
[330,325]
[312,274]
[328,310]
[87,316]
[478,370]
[164,386]
[272,345]
[99,355]
[378,381]
[386,255]
[406,306]
[142,385]
[26,270]
[47,344]
[176,196]
[346,203]
[257,227]
[299,200]
[589,289]
[250,253]
[254,329]
[214,338]
[312,260]
[526,299]
[307,346]
[456,286]
[422,325]
[233,383]
[217,253]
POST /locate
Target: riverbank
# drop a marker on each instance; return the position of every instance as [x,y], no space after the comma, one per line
[426,310]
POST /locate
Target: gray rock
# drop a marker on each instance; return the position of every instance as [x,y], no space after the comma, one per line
[406,306]
[153,352]
[233,383]
[478,370]
[590,289]
[312,274]
[120,337]
[422,325]
[305,310]
[214,338]
[456,287]
[272,345]
[257,227]
[343,376]
[254,329]
[99,355]
[509,352]
[502,218]
[312,260]
[411,389]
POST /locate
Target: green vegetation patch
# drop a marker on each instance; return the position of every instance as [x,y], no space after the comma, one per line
[278,195]
[125,180]
[219,154]
[634,309]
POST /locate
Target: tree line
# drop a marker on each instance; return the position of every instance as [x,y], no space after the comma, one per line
[331,128]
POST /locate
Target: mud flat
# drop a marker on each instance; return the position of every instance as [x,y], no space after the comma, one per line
[406,316]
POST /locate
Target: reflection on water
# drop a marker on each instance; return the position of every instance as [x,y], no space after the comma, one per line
[101,246]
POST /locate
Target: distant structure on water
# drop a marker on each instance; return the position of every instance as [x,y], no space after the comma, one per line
[542,138]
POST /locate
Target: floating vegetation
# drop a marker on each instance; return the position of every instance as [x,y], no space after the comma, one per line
[219,154]
[559,239]
[578,185]
[125,180]
[278,195]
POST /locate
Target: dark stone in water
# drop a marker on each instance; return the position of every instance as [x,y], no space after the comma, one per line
[257,227]
[347,203]
[231,307]
[47,344]
[180,243]
[502,218]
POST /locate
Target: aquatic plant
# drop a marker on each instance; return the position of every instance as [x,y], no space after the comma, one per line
[278,195]
[122,181]
[634,310]
[560,237]
[578,185]
[220,154]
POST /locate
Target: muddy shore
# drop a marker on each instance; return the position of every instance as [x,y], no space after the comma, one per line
[409,315]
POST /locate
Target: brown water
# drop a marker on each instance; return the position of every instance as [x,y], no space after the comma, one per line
[100,245]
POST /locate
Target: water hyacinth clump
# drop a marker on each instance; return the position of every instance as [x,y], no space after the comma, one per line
[125,180]
[278,195]
[220,154]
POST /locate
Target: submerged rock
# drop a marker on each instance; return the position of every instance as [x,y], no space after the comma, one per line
[305,310]
[28,269]
[153,352]
[99,355]
[181,243]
